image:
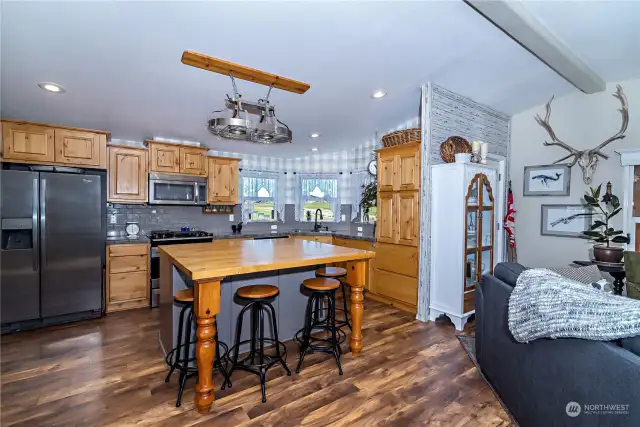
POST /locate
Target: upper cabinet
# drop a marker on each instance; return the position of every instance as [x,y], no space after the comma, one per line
[164,158]
[25,142]
[222,183]
[174,158]
[399,168]
[398,215]
[79,148]
[127,178]
[193,160]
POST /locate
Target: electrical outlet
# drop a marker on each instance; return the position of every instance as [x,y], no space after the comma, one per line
[113,219]
[359,228]
[231,218]
[153,211]
[343,217]
[274,227]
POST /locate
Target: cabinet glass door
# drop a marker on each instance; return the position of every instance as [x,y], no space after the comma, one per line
[479,237]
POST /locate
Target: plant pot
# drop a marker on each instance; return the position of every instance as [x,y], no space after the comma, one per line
[603,253]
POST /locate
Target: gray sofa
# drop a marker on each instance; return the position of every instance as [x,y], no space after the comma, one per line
[537,380]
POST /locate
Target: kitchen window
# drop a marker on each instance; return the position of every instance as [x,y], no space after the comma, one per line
[318,191]
[259,196]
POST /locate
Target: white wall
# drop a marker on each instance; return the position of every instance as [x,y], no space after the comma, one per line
[582,121]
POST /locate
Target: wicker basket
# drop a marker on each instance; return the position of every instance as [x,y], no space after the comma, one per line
[452,146]
[401,137]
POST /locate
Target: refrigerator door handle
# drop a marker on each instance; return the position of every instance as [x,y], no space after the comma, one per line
[43,220]
[34,227]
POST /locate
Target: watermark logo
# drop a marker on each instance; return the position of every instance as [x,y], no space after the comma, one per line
[573,409]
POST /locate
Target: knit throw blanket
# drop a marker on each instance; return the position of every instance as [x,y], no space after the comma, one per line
[544,304]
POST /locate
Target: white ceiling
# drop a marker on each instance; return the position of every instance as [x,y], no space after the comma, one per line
[120,63]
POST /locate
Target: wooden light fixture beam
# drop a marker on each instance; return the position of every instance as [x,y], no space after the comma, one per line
[220,66]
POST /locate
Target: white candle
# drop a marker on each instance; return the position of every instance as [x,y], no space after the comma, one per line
[484,148]
[475,146]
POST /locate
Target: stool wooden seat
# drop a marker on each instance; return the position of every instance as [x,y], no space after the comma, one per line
[185,295]
[257,291]
[321,284]
[331,272]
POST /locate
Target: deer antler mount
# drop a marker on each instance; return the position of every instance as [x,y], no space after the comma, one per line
[586,159]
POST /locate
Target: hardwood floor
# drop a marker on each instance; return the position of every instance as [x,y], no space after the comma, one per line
[110,372]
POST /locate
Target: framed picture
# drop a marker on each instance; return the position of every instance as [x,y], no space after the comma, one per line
[549,180]
[565,220]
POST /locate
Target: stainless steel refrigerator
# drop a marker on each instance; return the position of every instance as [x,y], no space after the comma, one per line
[53,243]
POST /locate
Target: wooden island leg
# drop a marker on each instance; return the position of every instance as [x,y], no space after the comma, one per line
[356,276]
[206,305]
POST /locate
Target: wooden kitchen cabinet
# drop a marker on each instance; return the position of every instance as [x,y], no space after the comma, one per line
[407,218]
[386,217]
[82,148]
[176,158]
[37,143]
[127,271]
[386,173]
[164,158]
[128,174]
[399,168]
[193,161]
[28,142]
[222,182]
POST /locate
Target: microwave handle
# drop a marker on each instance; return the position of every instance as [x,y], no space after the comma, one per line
[196,192]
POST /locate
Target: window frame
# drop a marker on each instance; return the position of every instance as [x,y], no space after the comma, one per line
[334,202]
[247,202]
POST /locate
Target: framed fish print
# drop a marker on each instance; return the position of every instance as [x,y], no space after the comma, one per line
[549,180]
[565,220]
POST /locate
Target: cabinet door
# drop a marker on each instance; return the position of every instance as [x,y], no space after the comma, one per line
[128,178]
[223,181]
[192,161]
[28,142]
[77,147]
[408,173]
[164,158]
[407,217]
[385,230]
[386,172]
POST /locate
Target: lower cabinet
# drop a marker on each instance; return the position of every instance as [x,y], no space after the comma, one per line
[127,282]
[395,276]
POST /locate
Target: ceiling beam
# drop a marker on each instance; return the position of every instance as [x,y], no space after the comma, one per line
[238,71]
[515,20]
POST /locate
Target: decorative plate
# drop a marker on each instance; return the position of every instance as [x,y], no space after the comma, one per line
[452,146]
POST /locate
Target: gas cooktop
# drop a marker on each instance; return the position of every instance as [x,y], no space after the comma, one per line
[171,235]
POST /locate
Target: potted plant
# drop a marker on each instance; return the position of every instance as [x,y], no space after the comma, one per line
[600,231]
[369,197]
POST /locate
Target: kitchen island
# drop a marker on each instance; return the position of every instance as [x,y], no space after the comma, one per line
[208,264]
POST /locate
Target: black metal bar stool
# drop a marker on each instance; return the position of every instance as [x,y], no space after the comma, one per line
[256,360]
[179,357]
[320,288]
[339,274]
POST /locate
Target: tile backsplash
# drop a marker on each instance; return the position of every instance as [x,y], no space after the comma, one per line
[159,217]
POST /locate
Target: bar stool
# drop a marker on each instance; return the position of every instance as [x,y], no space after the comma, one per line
[340,274]
[320,288]
[257,361]
[181,362]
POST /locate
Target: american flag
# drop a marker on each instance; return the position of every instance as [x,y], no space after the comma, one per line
[510,226]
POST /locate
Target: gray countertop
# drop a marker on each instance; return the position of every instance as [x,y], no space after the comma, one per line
[123,240]
[120,240]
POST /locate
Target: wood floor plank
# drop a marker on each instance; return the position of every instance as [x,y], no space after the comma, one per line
[110,372]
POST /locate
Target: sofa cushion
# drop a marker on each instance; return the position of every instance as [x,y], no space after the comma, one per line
[587,274]
[508,272]
[632,344]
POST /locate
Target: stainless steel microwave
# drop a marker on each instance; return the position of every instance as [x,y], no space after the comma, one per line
[165,189]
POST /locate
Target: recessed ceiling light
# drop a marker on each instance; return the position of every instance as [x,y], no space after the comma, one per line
[314,149]
[379,94]
[314,135]
[51,87]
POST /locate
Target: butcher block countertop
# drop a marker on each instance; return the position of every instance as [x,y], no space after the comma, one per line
[222,258]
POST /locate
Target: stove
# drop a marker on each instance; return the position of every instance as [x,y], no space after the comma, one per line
[164,237]
[168,237]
